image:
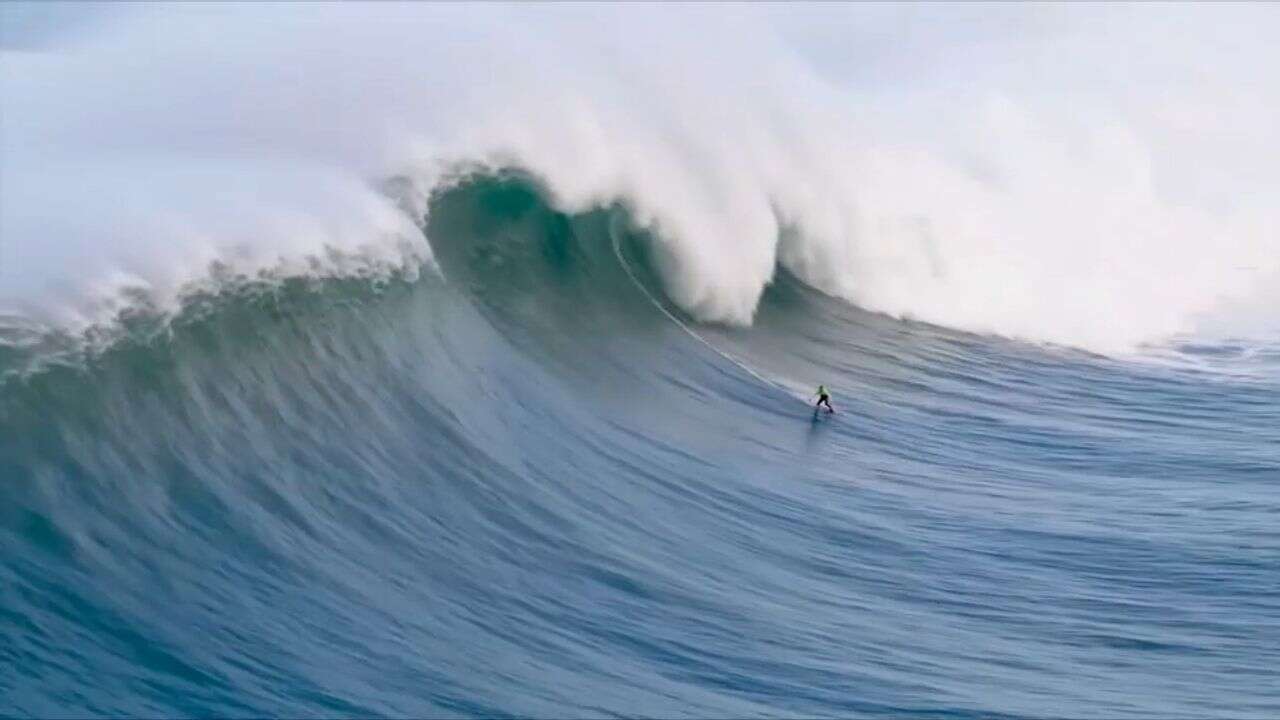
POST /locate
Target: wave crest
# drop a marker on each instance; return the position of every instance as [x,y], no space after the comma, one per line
[994,207]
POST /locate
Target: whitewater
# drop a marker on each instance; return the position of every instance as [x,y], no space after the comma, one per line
[454,361]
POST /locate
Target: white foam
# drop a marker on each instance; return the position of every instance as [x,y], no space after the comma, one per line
[1092,176]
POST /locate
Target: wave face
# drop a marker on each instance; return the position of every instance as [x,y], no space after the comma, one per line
[525,482]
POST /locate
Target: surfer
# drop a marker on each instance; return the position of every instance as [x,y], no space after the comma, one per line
[824,398]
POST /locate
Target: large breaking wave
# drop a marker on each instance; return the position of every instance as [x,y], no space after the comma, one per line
[398,363]
[511,485]
[1115,203]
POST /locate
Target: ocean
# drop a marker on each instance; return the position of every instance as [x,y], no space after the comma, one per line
[513,485]
[458,361]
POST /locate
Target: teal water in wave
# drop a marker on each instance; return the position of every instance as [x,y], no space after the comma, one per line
[517,487]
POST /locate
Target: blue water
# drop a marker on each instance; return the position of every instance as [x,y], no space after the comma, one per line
[515,486]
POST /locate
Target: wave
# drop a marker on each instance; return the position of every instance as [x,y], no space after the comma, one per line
[427,361]
[1016,216]
[426,494]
